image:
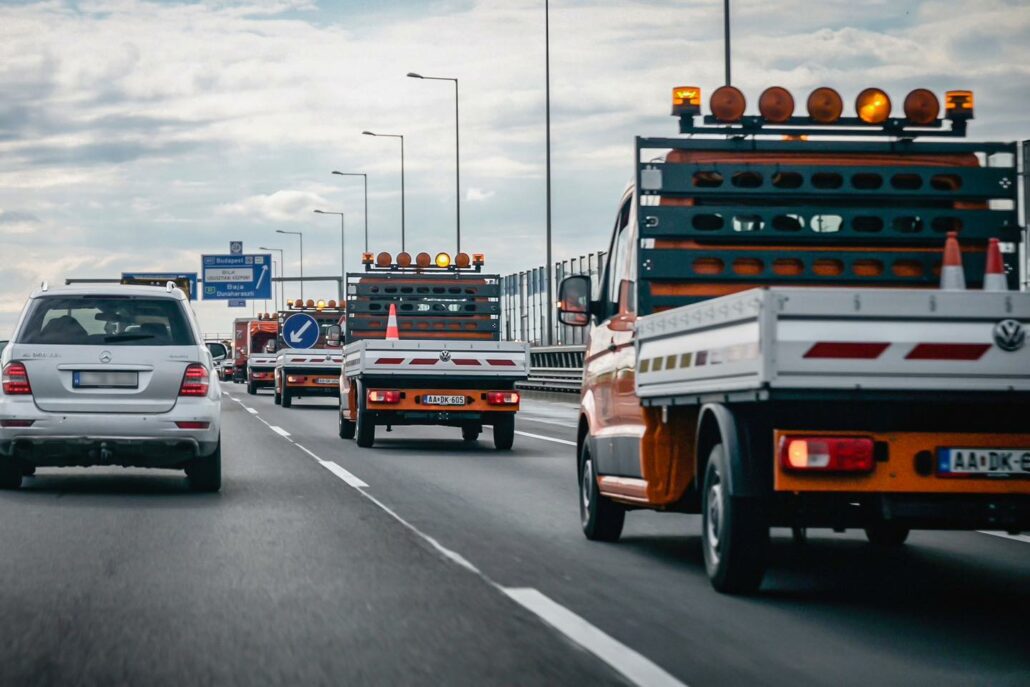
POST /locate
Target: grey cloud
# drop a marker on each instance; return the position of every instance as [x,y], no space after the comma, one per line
[15,216]
[115,152]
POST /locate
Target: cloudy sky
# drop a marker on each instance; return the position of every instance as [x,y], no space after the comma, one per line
[139,135]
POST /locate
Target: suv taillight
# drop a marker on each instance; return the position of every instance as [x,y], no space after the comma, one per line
[194,381]
[827,454]
[16,379]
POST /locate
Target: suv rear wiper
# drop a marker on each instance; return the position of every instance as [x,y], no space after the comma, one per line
[127,337]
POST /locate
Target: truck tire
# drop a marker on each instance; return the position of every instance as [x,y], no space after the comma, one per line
[10,474]
[601,518]
[285,399]
[365,426]
[470,433]
[504,431]
[251,389]
[204,473]
[734,531]
[346,426]
[886,534]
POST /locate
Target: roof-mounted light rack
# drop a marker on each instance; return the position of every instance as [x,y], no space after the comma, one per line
[423,262]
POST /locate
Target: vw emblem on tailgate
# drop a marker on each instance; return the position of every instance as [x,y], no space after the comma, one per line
[1009,335]
[105,356]
[445,355]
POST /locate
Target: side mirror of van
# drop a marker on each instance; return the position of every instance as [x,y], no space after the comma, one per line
[574,301]
[332,335]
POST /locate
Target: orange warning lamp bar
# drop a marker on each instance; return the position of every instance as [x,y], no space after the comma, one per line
[873,106]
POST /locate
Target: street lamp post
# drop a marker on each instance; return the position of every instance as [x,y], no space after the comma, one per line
[301,237]
[547,89]
[365,178]
[282,273]
[343,254]
[400,136]
[457,151]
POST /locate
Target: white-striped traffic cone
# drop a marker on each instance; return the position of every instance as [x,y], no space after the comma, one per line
[994,275]
[953,278]
[392,332]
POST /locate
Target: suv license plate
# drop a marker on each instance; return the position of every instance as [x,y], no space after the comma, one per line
[105,380]
[983,462]
[435,400]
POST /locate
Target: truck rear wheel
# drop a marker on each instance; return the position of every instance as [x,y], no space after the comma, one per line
[251,388]
[886,534]
[346,426]
[504,431]
[286,400]
[365,429]
[734,531]
[601,518]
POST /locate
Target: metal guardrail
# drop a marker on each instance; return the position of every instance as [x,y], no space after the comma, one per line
[555,368]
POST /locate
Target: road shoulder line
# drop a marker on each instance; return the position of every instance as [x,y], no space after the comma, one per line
[545,438]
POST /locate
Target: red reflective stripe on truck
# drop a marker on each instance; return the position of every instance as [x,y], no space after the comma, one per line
[424,361]
[465,361]
[389,361]
[501,362]
[947,351]
[847,349]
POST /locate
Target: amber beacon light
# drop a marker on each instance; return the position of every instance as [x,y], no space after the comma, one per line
[727,104]
[686,100]
[825,105]
[873,106]
[922,107]
[776,105]
[958,104]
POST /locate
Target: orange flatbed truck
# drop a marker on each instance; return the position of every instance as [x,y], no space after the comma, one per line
[444,366]
[770,345]
[311,371]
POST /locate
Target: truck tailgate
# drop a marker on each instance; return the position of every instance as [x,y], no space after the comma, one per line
[380,357]
[837,338]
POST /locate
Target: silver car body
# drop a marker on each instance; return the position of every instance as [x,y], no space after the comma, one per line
[109,426]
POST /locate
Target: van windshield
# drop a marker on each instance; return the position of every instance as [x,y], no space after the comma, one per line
[106,321]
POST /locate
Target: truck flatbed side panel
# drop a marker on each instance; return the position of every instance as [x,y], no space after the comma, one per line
[834,339]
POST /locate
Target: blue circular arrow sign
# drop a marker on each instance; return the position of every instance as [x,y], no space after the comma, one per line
[300,331]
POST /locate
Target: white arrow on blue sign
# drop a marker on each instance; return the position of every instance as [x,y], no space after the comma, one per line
[300,331]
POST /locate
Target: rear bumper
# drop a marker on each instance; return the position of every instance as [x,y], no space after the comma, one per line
[69,439]
[261,377]
[439,417]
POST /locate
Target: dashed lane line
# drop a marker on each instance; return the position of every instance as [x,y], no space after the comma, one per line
[541,436]
[629,663]
[252,411]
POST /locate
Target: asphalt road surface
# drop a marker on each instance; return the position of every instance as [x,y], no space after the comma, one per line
[427,560]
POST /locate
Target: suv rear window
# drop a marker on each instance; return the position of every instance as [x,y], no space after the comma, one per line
[106,321]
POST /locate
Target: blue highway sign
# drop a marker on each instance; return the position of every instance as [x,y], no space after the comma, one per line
[236,277]
[300,331]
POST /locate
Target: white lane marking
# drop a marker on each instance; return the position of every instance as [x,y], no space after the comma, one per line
[561,423]
[1005,535]
[279,430]
[541,436]
[626,661]
[252,411]
[307,452]
[347,477]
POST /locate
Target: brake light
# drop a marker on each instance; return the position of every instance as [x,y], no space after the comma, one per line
[194,381]
[16,379]
[827,454]
[192,424]
[502,398]
[377,396]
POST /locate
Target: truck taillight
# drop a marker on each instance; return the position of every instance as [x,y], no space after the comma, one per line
[377,396]
[827,454]
[16,379]
[502,398]
[194,381]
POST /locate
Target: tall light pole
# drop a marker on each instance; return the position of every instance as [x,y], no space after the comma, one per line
[400,136]
[301,237]
[282,273]
[547,98]
[457,151]
[343,254]
[365,178]
[726,36]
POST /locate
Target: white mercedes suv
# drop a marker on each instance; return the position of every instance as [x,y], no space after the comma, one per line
[109,375]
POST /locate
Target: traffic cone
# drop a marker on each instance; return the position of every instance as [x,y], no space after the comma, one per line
[952,276]
[994,276]
[392,333]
